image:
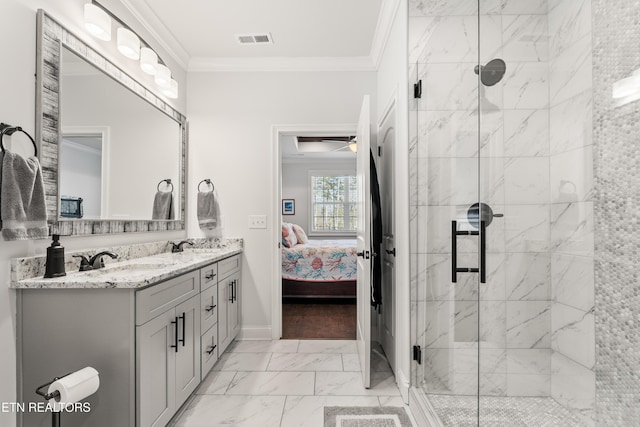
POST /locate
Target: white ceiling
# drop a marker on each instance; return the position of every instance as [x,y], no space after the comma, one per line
[206,29]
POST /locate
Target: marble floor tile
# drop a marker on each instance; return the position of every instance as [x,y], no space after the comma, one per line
[308,411]
[305,362]
[216,382]
[392,401]
[263,346]
[350,363]
[273,383]
[327,346]
[247,411]
[243,362]
[350,384]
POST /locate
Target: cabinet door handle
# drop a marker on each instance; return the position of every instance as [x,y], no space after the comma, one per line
[210,308]
[175,331]
[211,349]
[231,291]
[184,327]
[210,276]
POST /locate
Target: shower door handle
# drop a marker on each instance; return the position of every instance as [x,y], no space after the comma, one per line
[483,252]
[454,251]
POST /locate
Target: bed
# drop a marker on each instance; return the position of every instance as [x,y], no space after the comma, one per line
[320,269]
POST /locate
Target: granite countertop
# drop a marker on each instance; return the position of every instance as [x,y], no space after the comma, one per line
[133,273]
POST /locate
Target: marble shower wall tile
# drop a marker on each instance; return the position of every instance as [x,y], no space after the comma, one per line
[527,228]
[573,334]
[528,385]
[526,133]
[453,181]
[524,7]
[574,386]
[528,324]
[571,123]
[528,276]
[525,38]
[569,21]
[455,134]
[572,228]
[572,281]
[529,361]
[571,72]
[572,176]
[454,39]
[526,180]
[455,87]
[526,86]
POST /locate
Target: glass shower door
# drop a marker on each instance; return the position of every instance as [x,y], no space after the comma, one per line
[447,162]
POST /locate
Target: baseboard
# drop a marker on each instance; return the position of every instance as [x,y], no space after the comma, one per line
[422,410]
[254,333]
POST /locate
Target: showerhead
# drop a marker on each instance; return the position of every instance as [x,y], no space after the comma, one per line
[491,73]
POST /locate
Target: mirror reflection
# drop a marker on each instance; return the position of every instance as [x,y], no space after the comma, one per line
[107,132]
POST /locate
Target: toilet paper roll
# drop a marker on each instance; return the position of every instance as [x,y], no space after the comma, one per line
[74,387]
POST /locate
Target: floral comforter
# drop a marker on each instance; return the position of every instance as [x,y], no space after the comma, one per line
[320,261]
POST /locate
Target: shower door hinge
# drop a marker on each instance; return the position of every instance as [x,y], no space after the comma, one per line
[417,90]
[417,354]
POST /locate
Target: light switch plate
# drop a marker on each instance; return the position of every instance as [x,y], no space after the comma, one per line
[257,221]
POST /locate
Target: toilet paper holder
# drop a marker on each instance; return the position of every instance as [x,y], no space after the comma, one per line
[55,416]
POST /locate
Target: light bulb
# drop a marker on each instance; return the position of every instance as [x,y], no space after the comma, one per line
[163,76]
[97,22]
[148,60]
[353,147]
[128,43]
[172,90]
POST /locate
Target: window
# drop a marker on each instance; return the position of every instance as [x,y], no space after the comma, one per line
[333,203]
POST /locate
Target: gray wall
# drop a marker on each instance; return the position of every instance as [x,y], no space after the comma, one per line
[617,214]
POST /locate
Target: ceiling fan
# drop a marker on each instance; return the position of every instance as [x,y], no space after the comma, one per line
[348,142]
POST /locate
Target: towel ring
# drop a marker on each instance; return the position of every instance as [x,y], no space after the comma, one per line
[6,129]
[208,182]
[168,181]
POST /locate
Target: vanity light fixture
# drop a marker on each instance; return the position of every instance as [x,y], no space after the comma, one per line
[128,43]
[148,61]
[172,90]
[353,147]
[163,76]
[97,22]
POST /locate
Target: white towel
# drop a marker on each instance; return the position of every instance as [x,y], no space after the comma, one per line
[207,215]
[22,203]
[163,205]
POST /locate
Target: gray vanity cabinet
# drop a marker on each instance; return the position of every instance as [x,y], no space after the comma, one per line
[228,301]
[167,348]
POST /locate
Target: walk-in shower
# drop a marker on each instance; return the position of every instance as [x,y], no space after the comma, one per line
[502,212]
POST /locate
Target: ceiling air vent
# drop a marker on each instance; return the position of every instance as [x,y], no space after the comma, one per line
[264,38]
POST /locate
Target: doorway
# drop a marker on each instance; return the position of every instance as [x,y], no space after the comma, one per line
[318,224]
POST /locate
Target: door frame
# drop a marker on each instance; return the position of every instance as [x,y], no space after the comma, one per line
[277,131]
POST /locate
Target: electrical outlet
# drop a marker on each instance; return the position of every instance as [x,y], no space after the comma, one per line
[257,221]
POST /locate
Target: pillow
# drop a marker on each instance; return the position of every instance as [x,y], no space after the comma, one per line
[300,234]
[288,235]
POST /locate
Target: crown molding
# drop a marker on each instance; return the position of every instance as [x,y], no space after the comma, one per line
[388,12]
[150,21]
[358,63]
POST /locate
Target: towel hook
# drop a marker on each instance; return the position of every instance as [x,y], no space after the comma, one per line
[168,181]
[208,182]
[6,129]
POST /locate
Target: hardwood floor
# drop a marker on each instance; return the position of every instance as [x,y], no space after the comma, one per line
[319,321]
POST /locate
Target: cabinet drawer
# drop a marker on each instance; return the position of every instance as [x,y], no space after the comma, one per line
[209,348]
[228,266]
[209,307]
[157,299]
[208,276]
